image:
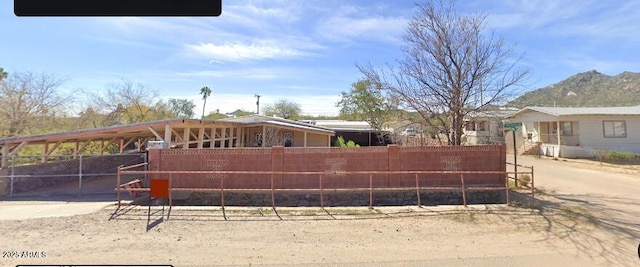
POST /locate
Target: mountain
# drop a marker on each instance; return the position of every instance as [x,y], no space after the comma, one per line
[587,89]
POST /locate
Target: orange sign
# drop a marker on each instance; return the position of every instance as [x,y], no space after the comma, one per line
[160,188]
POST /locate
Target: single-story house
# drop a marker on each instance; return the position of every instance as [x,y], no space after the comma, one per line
[485,126]
[264,131]
[578,132]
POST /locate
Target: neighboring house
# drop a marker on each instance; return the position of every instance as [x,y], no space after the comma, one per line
[578,132]
[359,132]
[259,130]
[484,127]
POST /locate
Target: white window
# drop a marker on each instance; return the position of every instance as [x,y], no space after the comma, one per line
[614,129]
[470,126]
[482,126]
[566,128]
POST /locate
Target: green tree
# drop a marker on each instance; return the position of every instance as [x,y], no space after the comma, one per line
[284,108]
[205,92]
[215,116]
[367,103]
[90,118]
[3,74]
[181,108]
[450,62]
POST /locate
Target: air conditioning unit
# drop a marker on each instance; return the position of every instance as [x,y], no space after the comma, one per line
[157,145]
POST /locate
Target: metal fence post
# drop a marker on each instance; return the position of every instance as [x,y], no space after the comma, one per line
[146,167]
[11,182]
[80,176]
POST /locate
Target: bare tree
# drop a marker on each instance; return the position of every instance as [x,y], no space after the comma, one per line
[450,67]
[29,102]
[128,102]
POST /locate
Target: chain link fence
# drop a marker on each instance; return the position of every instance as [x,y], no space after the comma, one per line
[64,175]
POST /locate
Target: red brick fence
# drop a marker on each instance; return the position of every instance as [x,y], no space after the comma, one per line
[318,170]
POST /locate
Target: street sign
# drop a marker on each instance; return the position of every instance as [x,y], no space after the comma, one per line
[513,126]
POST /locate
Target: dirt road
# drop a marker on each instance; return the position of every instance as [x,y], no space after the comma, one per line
[605,196]
[396,236]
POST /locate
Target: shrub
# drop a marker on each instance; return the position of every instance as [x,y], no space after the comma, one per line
[617,157]
[524,179]
[341,143]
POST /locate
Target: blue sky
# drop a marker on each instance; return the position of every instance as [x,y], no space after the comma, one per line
[304,51]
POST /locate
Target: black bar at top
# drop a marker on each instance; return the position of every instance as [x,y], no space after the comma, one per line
[117,7]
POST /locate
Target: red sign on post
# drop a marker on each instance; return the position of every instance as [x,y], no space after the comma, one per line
[159,188]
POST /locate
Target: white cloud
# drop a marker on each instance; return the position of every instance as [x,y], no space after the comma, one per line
[241,52]
[346,28]
[537,14]
[246,73]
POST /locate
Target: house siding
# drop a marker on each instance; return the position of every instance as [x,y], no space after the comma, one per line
[317,140]
[592,137]
[492,133]
[313,139]
[587,133]
[298,138]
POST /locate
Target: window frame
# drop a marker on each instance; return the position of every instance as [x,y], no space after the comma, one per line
[613,127]
[553,126]
[484,124]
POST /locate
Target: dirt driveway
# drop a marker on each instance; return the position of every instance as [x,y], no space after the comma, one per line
[579,222]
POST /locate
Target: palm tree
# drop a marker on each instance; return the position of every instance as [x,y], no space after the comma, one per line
[205,92]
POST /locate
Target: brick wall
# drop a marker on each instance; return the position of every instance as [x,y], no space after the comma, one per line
[298,159]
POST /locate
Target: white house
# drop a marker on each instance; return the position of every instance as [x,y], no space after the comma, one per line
[483,127]
[578,132]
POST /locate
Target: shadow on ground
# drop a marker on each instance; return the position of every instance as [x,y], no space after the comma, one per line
[599,227]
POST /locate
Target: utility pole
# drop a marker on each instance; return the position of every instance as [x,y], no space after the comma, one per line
[258,103]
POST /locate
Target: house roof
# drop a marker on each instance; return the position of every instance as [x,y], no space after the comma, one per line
[563,111]
[500,114]
[343,125]
[261,119]
[104,133]
[142,129]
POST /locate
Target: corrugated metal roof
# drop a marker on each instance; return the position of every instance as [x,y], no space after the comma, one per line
[110,130]
[306,127]
[343,124]
[564,111]
[252,119]
[136,128]
[501,114]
